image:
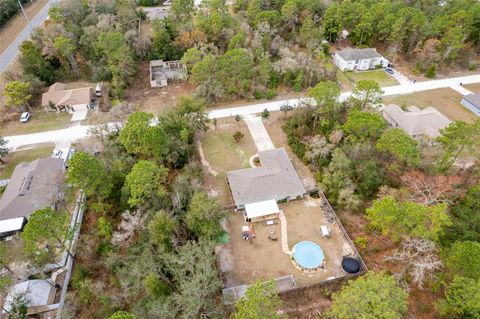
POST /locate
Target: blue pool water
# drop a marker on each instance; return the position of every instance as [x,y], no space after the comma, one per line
[308,254]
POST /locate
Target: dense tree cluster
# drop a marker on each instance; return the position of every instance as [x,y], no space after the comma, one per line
[98,40]
[162,257]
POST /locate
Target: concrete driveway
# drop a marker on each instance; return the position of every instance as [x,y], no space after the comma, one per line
[259,133]
[402,79]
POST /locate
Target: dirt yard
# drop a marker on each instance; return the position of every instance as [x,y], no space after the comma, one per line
[244,262]
[18,23]
[446,100]
[475,88]
[155,100]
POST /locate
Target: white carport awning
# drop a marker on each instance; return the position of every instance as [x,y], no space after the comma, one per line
[260,209]
[12,224]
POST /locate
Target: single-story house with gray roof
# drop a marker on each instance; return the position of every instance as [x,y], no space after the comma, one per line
[416,122]
[33,186]
[472,102]
[350,59]
[275,179]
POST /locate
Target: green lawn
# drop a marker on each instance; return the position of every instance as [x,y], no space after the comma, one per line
[224,154]
[15,158]
[348,79]
[39,122]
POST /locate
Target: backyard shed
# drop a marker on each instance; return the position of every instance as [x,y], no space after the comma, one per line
[260,211]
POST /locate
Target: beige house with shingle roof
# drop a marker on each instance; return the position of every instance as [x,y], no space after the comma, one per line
[62,99]
[276,179]
[416,122]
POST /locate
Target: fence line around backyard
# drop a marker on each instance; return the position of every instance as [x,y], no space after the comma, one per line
[75,225]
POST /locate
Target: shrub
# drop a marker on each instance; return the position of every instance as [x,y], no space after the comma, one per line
[271,93]
[238,136]
[265,114]
[237,118]
[361,242]
[431,71]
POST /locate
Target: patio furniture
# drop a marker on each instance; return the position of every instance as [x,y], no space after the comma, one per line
[325,231]
[271,222]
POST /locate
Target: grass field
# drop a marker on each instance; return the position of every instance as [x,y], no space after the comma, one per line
[39,122]
[14,158]
[475,88]
[348,79]
[224,154]
[447,101]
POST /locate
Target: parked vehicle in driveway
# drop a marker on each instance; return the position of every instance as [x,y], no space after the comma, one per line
[389,70]
[25,117]
[98,89]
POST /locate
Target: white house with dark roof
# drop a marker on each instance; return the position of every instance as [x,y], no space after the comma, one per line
[258,187]
[416,122]
[472,102]
[350,59]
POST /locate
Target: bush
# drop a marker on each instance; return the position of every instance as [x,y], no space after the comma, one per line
[265,114]
[271,93]
[258,95]
[238,136]
[431,71]
[237,118]
[361,242]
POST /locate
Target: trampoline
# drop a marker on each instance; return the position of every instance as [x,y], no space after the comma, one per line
[350,265]
[307,256]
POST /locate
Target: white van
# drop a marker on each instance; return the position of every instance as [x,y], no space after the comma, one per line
[98,89]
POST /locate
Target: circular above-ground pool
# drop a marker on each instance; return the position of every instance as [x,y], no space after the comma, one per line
[307,256]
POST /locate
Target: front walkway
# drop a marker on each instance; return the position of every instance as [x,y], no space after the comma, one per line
[284,233]
[460,89]
[259,133]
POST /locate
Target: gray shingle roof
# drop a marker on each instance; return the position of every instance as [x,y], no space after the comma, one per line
[275,179]
[350,54]
[33,186]
[473,99]
[416,122]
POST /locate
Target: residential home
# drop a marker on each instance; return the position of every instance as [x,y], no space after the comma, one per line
[276,179]
[472,102]
[350,59]
[33,186]
[61,99]
[416,122]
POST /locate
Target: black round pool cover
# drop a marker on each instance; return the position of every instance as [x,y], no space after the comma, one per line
[350,265]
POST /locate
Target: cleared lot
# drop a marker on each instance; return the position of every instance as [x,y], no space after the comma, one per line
[39,122]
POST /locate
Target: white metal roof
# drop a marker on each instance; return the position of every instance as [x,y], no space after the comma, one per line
[12,224]
[263,208]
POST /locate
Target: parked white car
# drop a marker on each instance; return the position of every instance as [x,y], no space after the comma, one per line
[98,89]
[25,117]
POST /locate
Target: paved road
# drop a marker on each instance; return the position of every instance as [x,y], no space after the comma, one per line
[71,134]
[11,52]
[389,90]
